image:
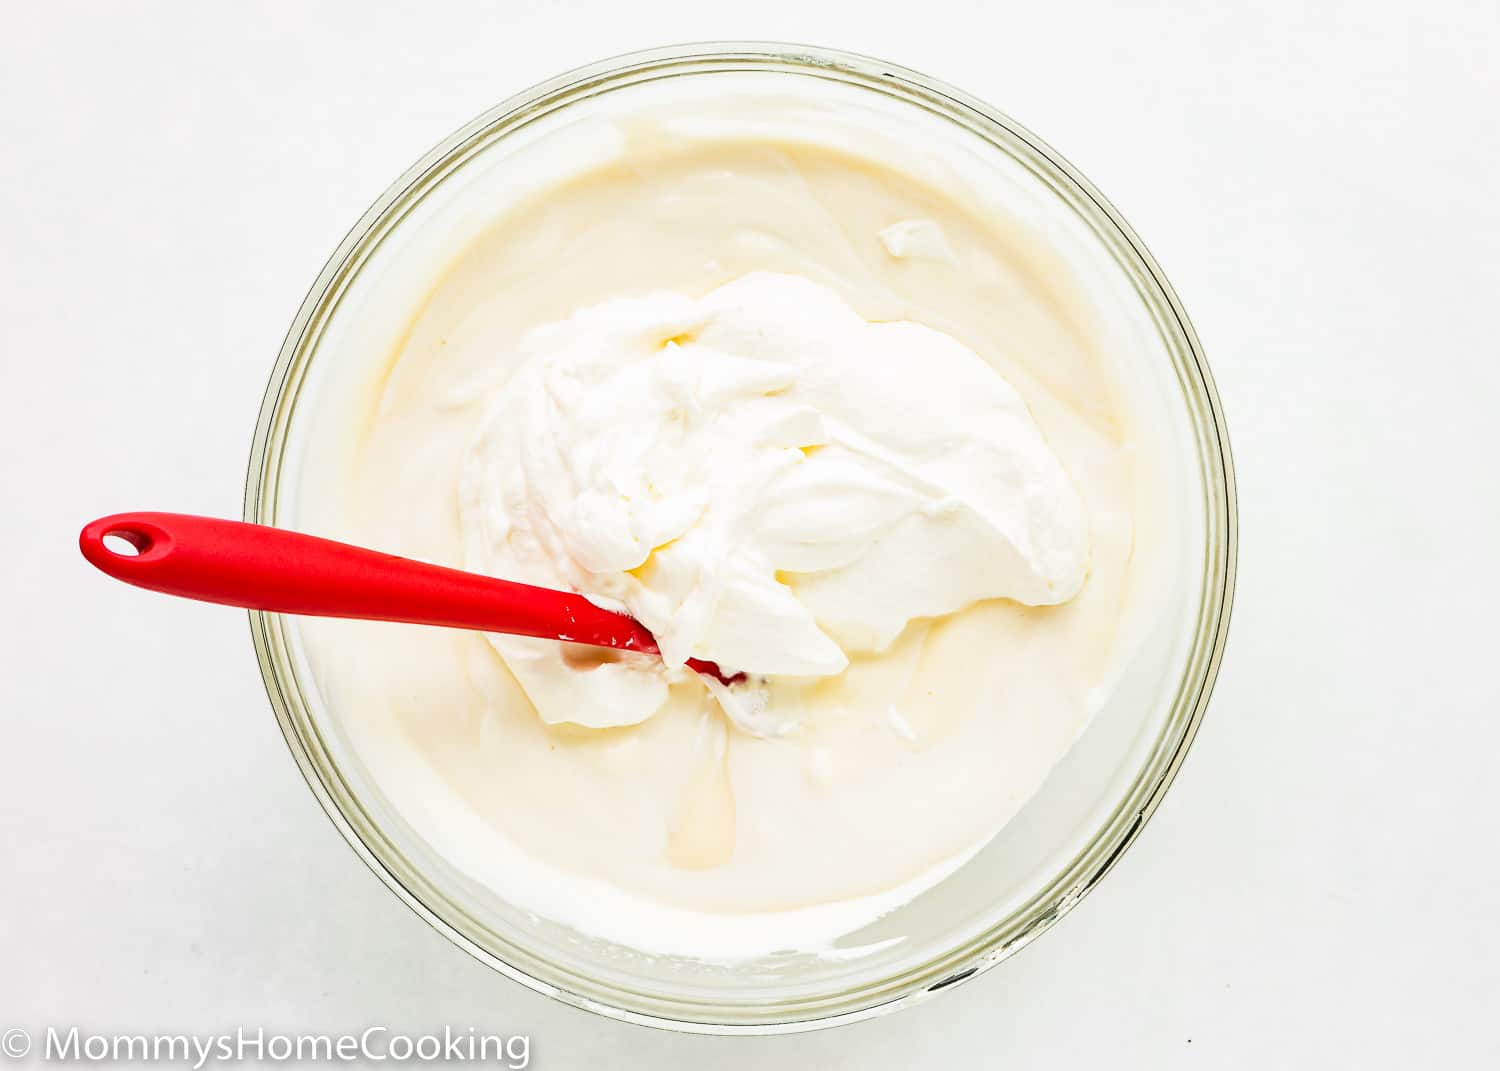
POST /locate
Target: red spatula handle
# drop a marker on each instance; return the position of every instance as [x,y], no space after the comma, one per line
[262,568]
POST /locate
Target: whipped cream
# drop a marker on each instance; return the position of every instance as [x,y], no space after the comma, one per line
[765,480]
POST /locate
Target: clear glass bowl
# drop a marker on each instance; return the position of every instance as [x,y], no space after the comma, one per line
[1092,806]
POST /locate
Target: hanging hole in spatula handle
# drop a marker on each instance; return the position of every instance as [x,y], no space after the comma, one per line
[122,542]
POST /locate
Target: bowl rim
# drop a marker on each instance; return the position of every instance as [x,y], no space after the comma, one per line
[1088,868]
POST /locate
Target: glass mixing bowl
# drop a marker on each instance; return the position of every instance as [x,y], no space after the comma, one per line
[1094,803]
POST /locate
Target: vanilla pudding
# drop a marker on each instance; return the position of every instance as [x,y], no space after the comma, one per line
[814,408]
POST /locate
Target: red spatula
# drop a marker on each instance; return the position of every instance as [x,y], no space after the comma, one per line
[262,568]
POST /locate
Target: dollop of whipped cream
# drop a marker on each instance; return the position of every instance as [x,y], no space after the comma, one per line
[763,479]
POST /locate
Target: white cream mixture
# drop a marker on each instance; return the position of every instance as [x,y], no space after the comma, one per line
[727,471]
[801,413]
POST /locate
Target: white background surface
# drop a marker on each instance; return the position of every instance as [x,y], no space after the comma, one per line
[1320,182]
